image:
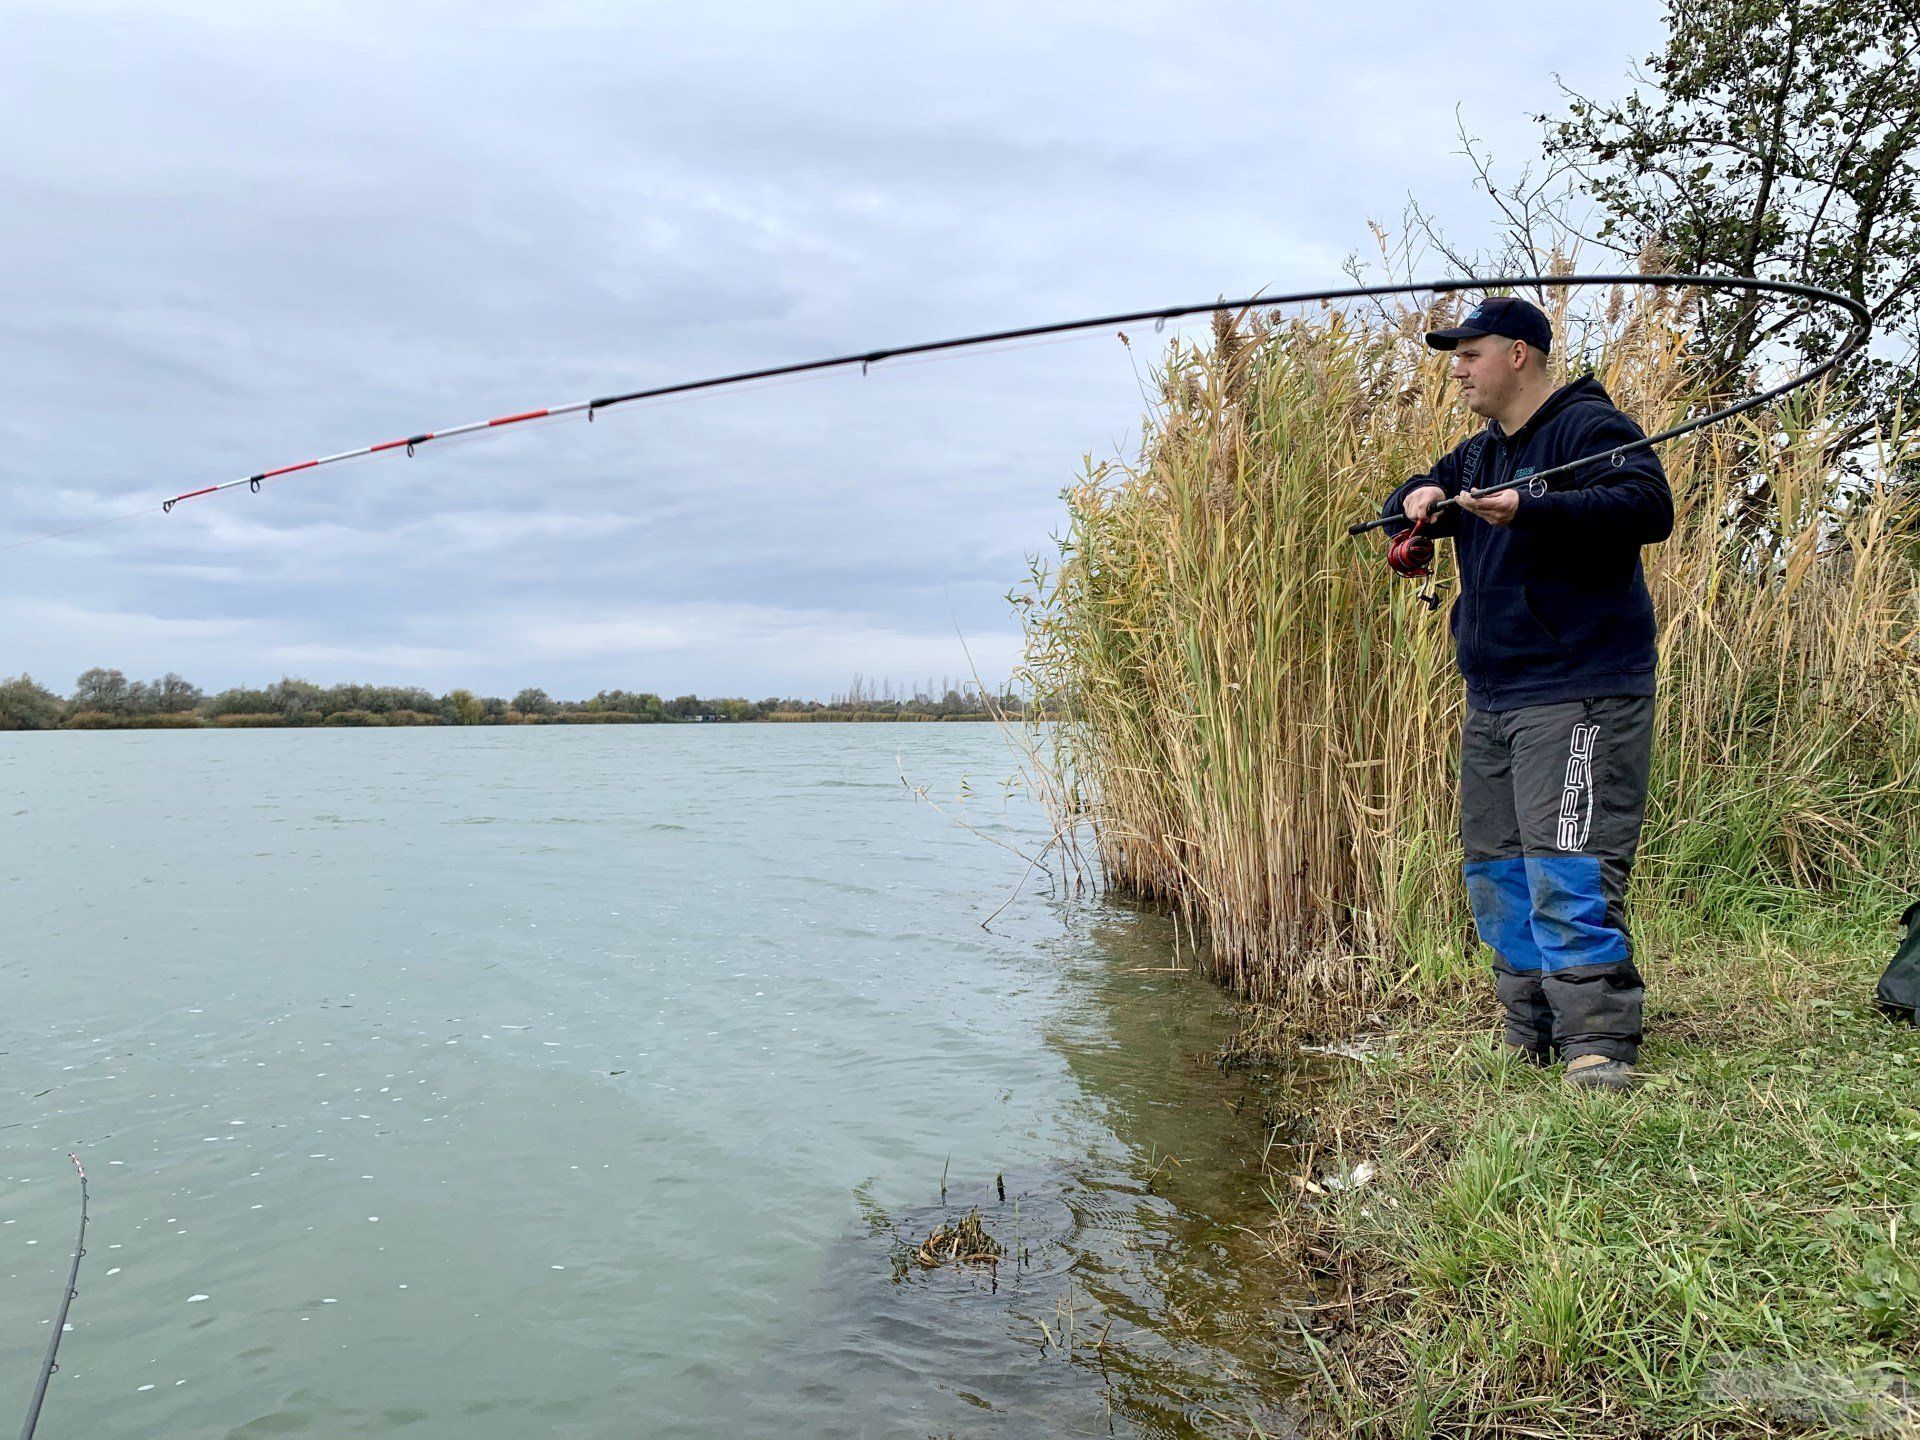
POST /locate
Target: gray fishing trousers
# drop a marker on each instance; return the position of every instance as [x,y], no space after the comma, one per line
[1551,800]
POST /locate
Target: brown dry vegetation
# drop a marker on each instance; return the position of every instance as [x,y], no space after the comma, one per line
[1262,722]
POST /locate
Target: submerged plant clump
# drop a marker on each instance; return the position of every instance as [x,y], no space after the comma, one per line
[963,1243]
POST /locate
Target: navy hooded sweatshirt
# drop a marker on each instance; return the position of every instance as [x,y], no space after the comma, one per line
[1553,606]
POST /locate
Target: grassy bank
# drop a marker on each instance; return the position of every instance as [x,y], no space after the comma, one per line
[1732,1249]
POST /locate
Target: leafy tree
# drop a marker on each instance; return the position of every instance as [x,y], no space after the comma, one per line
[1779,139]
[98,689]
[388,699]
[298,700]
[463,707]
[25,705]
[240,701]
[533,701]
[627,702]
[375,699]
[169,695]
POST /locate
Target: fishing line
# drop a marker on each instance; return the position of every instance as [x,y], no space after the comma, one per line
[60,1321]
[1159,318]
[77,529]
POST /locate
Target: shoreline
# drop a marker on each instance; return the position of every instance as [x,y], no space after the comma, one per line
[422,721]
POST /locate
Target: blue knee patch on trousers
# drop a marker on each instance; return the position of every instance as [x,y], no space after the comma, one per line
[1503,909]
[1570,925]
[1544,912]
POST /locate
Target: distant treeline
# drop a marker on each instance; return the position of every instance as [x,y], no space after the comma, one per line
[107,700]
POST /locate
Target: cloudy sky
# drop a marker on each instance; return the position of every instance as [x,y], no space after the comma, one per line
[238,235]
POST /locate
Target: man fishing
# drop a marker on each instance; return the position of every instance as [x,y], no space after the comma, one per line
[1554,634]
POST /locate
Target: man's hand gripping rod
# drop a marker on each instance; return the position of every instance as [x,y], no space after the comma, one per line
[1365,525]
[1533,482]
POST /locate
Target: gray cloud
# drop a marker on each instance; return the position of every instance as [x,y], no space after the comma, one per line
[240,235]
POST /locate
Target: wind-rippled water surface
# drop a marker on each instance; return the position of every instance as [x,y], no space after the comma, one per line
[586,1082]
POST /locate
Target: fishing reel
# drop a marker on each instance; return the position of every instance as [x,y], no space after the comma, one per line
[1410,553]
[1410,556]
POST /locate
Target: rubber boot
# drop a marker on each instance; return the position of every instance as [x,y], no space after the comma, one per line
[1600,1072]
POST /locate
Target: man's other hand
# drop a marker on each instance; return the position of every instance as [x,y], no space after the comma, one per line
[1499,508]
[1419,504]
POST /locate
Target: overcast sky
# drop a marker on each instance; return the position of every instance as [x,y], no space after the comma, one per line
[239,235]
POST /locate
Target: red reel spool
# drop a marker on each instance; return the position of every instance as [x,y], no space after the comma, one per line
[1411,553]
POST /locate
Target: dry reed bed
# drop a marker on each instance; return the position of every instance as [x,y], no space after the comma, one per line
[1261,722]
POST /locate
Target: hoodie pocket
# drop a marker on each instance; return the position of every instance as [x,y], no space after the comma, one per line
[1510,640]
[1605,627]
[1535,608]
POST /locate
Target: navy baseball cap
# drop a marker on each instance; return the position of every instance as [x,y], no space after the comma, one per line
[1503,315]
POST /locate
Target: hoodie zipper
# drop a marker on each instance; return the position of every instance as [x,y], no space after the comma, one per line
[1479,562]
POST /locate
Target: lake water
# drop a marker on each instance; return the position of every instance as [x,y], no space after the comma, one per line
[588,1081]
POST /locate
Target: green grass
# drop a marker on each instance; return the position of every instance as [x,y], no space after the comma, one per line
[1734,1248]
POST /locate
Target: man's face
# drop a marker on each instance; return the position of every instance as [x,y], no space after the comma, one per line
[1488,372]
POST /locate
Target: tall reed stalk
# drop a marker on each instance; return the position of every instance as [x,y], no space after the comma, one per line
[1262,723]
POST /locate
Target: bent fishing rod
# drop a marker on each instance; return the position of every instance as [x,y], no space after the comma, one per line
[865,360]
[48,1366]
